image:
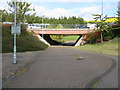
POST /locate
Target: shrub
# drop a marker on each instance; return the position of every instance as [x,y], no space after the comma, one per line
[93,37]
[116,30]
[25,41]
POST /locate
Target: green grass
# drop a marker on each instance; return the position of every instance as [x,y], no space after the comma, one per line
[25,41]
[70,38]
[109,48]
[61,38]
[58,38]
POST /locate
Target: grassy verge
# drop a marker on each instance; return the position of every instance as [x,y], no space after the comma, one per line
[25,41]
[58,38]
[61,38]
[70,38]
[109,48]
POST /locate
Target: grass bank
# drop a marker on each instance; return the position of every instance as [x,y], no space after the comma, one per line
[61,38]
[70,38]
[109,48]
[25,41]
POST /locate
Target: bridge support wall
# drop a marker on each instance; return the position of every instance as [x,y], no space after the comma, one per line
[41,39]
[80,41]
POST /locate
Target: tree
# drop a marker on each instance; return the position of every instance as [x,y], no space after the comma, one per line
[30,18]
[22,9]
[59,26]
[118,13]
[7,17]
[102,25]
[49,27]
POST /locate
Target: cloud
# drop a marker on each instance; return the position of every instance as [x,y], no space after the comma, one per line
[3,5]
[86,13]
[72,0]
[65,0]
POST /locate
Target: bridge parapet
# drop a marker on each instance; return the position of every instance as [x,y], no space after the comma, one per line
[62,31]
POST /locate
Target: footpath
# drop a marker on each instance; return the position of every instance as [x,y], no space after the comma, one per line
[10,70]
[111,79]
[56,67]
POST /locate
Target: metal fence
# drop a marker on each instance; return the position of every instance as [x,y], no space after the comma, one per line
[59,26]
[66,26]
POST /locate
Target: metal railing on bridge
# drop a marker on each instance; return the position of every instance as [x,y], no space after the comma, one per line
[59,26]
[66,26]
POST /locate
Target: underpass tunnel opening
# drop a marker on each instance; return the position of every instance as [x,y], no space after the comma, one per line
[50,40]
[64,40]
[70,40]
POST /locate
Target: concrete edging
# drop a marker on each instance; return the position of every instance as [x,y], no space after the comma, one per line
[90,84]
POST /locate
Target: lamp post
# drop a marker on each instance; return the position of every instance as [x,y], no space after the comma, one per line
[102,8]
[15,30]
[119,9]
[15,34]
[42,24]
[102,19]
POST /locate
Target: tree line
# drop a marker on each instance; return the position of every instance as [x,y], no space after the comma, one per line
[8,17]
[23,15]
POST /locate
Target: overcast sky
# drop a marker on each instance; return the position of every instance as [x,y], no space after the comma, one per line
[78,8]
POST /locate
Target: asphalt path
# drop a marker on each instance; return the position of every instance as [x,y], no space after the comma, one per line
[63,67]
[0,71]
[111,79]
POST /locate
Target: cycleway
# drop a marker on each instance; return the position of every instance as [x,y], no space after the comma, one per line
[62,67]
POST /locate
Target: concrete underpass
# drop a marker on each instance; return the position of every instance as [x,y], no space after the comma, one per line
[47,32]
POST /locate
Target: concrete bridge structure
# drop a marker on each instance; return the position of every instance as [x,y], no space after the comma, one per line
[47,32]
[62,31]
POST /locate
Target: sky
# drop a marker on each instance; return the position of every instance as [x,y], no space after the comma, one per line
[68,8]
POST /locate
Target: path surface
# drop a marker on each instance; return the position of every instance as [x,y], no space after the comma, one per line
[0,71]
[58,67]
[110,80]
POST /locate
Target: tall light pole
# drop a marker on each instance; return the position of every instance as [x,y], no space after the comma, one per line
[102,8]
[119,9]
[42,24]
[102,19]
[15,34]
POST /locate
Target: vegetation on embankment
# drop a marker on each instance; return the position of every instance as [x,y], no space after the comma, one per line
[58,38]
[25,41]
[71,38]
[65,38]
[109,48]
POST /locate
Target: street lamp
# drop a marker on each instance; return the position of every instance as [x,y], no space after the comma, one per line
[15,30]
[119,9]
[102,19]
[42,24]
[15,34]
